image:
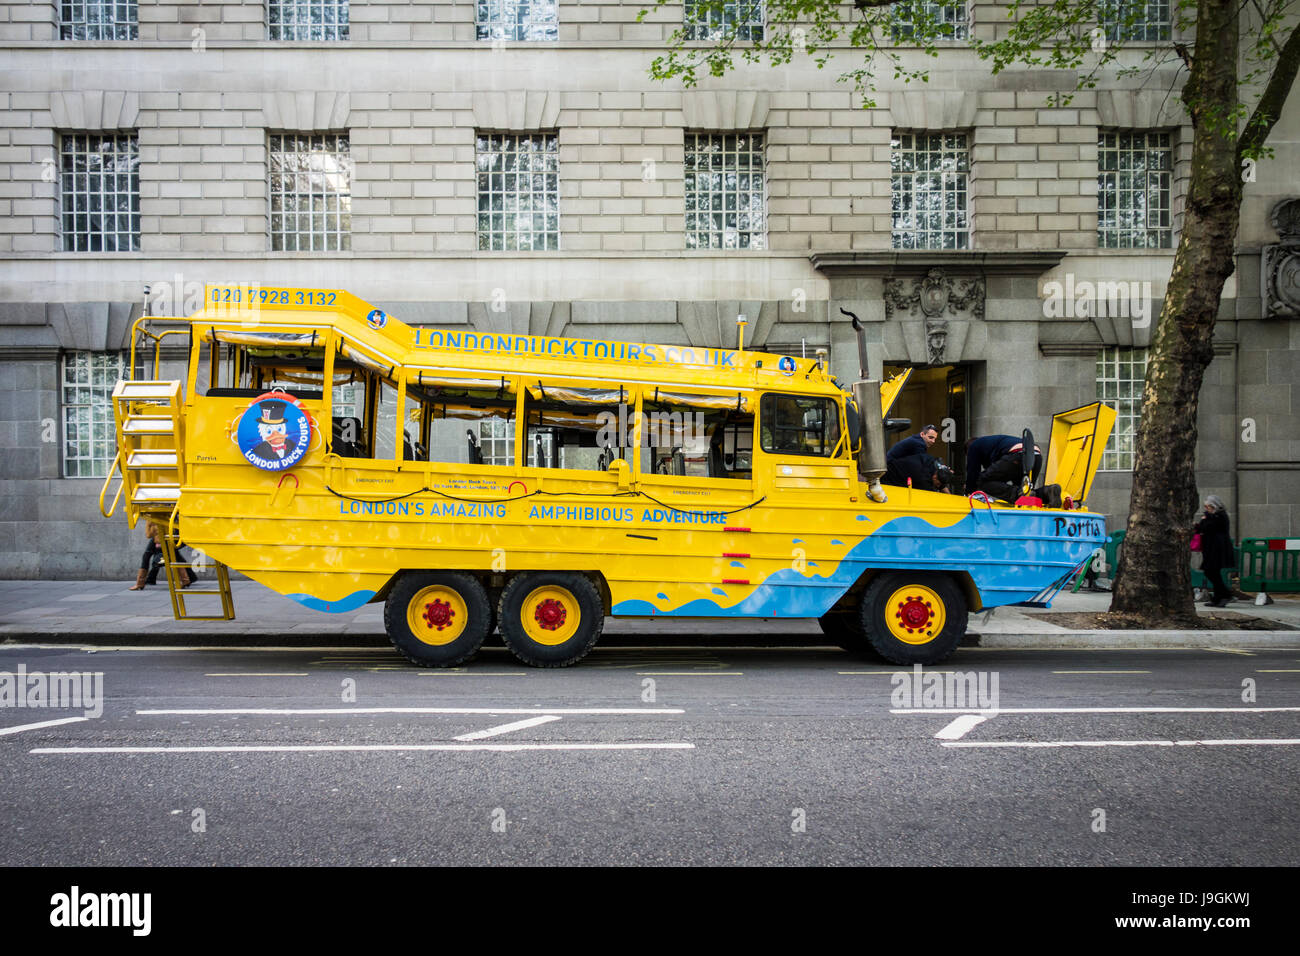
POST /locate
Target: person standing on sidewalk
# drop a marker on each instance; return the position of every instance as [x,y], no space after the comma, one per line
[151,560]
[1216,548]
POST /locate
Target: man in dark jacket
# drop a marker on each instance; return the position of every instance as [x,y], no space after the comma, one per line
[926,472]
[983,452]
[918,444]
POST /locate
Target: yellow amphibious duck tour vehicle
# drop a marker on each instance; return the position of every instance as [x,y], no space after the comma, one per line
[471,480]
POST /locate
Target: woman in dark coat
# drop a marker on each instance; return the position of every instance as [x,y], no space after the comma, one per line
[1216,548]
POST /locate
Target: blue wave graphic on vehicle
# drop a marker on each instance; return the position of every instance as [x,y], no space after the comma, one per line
[978,544]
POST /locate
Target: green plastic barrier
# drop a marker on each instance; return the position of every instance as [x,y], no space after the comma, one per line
[1268,563]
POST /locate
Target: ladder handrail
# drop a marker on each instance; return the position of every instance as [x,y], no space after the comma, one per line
[104,490]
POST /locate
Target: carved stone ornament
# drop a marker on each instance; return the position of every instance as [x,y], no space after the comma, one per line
[936,340]
[1280,263]
[933,294]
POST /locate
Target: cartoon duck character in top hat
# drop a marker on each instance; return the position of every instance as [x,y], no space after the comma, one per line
[276,443]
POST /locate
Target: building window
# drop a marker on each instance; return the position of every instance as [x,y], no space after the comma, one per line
[1121,373]
[947,20]
[710,20]
[726,191]
[99,192]
[1134,173]
[98,20]
[517,20]
[496,441]
[1135,21]
[89,434]
[518,191]
[307,19]
[311,192]
[930,189]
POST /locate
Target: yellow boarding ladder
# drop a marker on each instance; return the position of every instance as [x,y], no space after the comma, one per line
[149,437]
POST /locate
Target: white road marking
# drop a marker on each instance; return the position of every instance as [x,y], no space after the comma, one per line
[472,674]
[961,726]
[1101,710]
[1101,672]
[259,674]
[44,723]
[338,748]
[1287,742]
[297,711]
[508,728]
[690,674]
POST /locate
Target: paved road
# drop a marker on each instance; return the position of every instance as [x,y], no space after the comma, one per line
[737,757]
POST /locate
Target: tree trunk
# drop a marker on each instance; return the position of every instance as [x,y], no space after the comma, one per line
[1153,581]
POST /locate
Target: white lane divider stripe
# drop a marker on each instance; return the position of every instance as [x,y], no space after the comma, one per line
[334,748]
[1032,744]
[1099,710]
[44,723]
[508,728]
[313,711]
[961,726]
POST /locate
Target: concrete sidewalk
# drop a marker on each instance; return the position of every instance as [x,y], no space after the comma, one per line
[102,612]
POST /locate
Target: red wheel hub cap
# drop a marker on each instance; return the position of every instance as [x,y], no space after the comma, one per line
[914,613]
[550,614]
[438,614]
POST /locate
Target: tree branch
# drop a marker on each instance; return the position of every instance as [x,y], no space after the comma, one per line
[1269,107]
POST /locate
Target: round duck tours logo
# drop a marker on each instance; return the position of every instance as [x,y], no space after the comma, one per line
[274,433]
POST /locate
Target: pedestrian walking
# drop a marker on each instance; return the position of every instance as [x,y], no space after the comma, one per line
[1216,548]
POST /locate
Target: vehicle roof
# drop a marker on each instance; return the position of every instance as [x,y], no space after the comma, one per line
[388,341]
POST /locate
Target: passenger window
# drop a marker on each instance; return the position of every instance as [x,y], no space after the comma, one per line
[468,421]
[577,427]
[696,434]
[799,425]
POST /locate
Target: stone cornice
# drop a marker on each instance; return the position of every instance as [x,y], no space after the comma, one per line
[897,262]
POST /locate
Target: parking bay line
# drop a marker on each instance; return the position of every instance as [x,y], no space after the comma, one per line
[345,748]
[508,728]
[1048,744]
[44,723]
[304,711]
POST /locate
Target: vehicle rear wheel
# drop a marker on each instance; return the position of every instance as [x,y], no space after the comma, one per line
[437,618]
[914,617]
[551,618]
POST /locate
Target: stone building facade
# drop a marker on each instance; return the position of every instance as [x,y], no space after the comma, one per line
[1046,299]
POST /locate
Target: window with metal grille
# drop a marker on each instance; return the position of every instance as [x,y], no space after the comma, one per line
[1121,373]
[1135,21]
[311,192]
[307,19]
[89,434]
[706,19]
[98,20]
[99,192]
[947,19]
[518,191]
[930,190]
[1134,177]
[496,440]
[517,20]
[726,191]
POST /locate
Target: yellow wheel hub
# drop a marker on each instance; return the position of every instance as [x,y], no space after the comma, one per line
[915,614]
[437,615]
[550,615]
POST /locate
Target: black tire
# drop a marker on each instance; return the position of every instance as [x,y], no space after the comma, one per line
[844,628]
[567,593]
[936,600]
[402,609]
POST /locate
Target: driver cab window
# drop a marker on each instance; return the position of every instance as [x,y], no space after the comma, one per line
[799,425]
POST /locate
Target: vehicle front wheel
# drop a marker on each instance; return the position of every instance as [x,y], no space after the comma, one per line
[551,618]
[914,617]
[437,618]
